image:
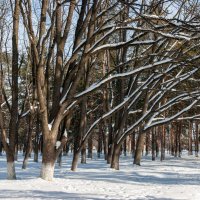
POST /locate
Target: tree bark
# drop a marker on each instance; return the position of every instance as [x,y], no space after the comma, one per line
[115,157]
[83,154]
[139,148]
[153,146]
[190,139]
[48,159]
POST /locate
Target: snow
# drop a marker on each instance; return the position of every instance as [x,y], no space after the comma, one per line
[115,45]
[174,178]
[50,126]
[65,95]
[26,113]
[95,86]
[58,143]
[65,134]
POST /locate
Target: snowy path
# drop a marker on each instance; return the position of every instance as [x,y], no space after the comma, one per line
[172,179]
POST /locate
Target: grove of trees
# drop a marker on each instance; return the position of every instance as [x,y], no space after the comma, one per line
[120,75]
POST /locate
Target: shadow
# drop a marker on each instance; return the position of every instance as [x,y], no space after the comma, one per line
[58,195]
[157,198]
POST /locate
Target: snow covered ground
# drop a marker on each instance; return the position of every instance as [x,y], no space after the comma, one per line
[172,179]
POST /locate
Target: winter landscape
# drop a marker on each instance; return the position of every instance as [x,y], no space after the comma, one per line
[99,99]
[172,179]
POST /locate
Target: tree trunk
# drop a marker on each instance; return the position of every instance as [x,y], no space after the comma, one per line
[83,154]
[48,159]
[110,148]
[176,141]
[163,134]
[139,148]
[36,142]
[75,160]
[105,143]
[29,142]
[90,147]
[115,157]
[133,144]
[157,142]
[59,159]
[1,146]
[179,140]
[147,144]
[125,147]
[153,146]
[190,139]
[99,151]
[11,174]
[172,140]
[197,140]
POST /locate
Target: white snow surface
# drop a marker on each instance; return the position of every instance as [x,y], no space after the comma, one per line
[172,179]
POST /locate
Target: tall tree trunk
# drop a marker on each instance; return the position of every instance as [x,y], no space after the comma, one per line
[115,156]
[147,144]
[110,145]
[172,140]
[100,142]
[153,145]
[163,135]
[83,154]
[179,139]
[190,139]
[139,148]
[29,142]
[157,142]
[133,144]
[13,126]
[36,142]
[176,140]
[48,159]
[125,147]
[75,160]
[105,144]
[196,139]
[90,147]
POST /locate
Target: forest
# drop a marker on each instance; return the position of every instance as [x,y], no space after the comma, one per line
[112,77]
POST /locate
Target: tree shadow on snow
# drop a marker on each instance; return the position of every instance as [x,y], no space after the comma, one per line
[32,194]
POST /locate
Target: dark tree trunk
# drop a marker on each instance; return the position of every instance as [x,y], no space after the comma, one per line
[179,139]
[163,135]
[125,147]
[36,141]
[48,158]
[83,154]
[133,144]
[110,147]
[100,143]
[105,142]
[139,148]
[153,145]
[90,147]
[75,160]
[29,142]
[196,139]
[176,140]
[190,139]
[1,146]
[157,142]
[172,140]
[147,144]
[115,157]
[59,159]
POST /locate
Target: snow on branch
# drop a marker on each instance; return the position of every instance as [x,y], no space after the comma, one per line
[95,86]
[169,119]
